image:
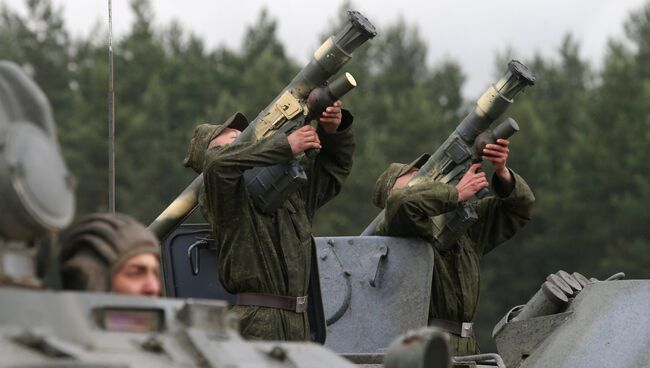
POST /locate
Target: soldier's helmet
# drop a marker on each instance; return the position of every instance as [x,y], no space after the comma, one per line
[94,249]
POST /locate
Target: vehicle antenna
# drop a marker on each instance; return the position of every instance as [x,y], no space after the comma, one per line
[111,114]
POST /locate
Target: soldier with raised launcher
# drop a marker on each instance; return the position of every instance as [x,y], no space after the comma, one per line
[432,198]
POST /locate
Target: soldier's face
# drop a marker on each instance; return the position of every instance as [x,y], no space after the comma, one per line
[226,137]
[138,275]
[404,179]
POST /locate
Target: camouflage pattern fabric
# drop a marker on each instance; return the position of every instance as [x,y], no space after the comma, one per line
[204,134]
[388,178]
[456,277]
[263,253]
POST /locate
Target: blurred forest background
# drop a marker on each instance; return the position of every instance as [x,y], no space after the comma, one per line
[583,147]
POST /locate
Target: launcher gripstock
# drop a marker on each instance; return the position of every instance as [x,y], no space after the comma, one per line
[270,186]
[290,104]
[452,159]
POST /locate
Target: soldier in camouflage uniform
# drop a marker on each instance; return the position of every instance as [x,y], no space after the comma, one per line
[456,276]
[265,258]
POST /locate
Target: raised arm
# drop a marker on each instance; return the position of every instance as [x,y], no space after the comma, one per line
[409,209]
[509,210]
[503,214]
[334,162]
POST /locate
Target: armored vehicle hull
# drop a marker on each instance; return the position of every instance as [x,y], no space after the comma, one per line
[46,328]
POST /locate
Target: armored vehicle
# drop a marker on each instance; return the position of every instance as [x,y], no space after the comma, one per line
[40,328]
[577,322]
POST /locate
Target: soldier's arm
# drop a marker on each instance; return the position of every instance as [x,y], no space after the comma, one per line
[332,165]
[230,161]
[502,215]
[224,168]
[409,209]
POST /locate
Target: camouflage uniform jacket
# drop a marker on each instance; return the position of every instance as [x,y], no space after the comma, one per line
[264,253]
[456,276]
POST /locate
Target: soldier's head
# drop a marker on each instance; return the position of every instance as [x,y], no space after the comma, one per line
[111,253]
[212,135]
[396,176]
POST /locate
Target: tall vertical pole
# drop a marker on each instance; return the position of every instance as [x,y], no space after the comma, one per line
[111,114]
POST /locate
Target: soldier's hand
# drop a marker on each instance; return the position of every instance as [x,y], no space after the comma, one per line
[497,154]
[330,119]
[303,139]
[471,183]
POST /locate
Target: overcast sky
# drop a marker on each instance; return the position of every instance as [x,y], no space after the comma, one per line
[469,31]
